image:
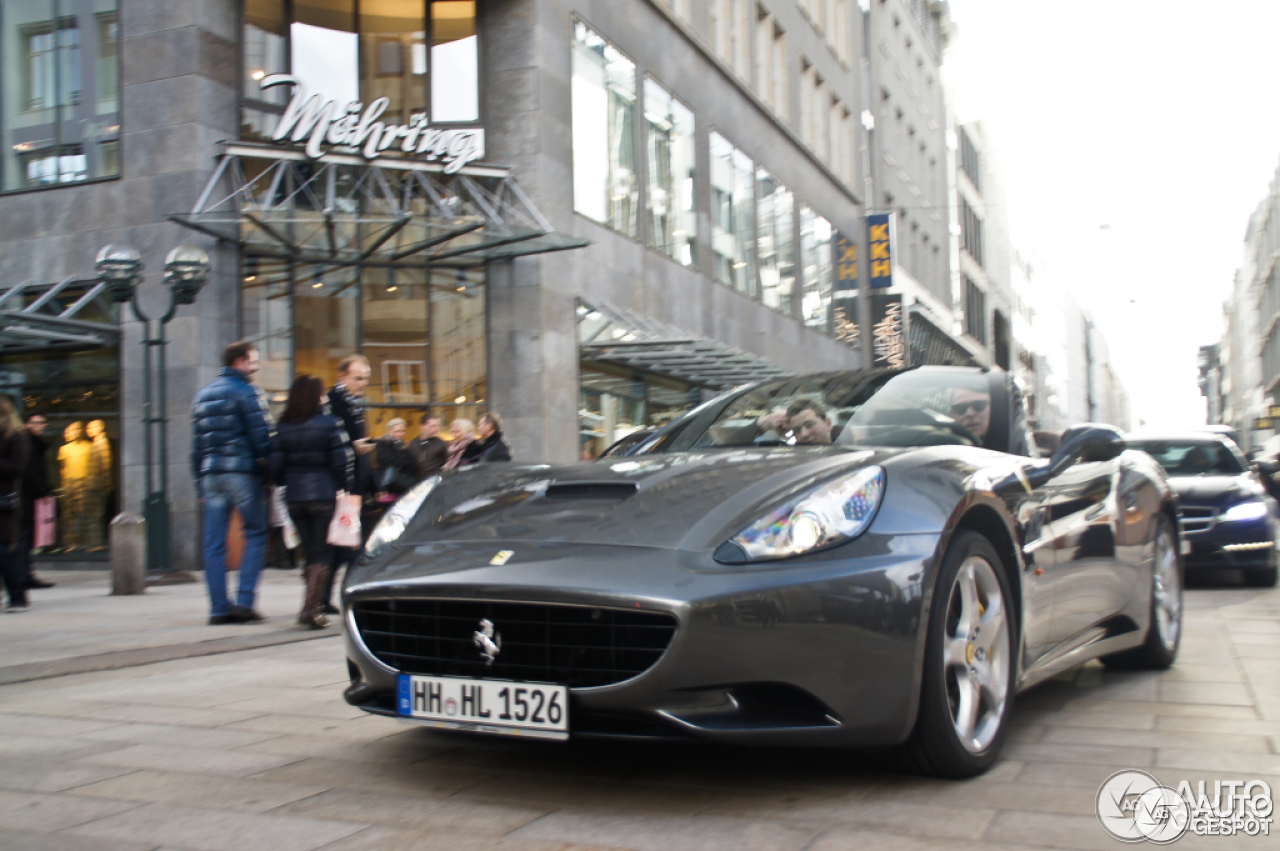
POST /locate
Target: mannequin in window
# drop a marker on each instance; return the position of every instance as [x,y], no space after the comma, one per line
[99,484]
[73,459]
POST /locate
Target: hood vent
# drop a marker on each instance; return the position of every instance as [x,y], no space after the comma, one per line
[594,491]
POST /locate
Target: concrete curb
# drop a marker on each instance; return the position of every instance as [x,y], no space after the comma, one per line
[151,655]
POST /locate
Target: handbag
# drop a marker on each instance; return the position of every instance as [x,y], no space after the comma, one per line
[46,510]
[344,529]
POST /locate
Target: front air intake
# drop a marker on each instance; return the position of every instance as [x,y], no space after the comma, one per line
[577,646]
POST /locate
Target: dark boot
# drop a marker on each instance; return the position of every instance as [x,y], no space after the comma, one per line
[312,614]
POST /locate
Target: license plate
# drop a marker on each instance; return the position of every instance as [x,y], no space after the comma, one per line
[486,706]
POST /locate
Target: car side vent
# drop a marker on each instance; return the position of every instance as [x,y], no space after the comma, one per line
[592,490]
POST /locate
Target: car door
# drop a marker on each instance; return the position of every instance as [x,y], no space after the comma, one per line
[1080,510]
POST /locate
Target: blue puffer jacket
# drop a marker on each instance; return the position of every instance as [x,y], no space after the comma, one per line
[312,459]
[230,427]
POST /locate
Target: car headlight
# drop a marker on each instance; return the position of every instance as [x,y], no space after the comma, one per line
[1244,511]
[396,518]
[838,511]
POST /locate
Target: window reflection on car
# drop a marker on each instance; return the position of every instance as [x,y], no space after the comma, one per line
[1192,458]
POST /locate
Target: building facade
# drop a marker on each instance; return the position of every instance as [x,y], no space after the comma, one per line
[583,215]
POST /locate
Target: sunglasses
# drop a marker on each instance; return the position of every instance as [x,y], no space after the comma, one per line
[977,406]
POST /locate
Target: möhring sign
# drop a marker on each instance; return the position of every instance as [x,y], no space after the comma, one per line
[322,122]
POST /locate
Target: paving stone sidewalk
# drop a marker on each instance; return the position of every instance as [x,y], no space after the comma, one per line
[78,626]
[257,749]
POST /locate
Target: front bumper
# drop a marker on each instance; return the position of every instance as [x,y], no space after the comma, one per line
[1234,545]
[824,650]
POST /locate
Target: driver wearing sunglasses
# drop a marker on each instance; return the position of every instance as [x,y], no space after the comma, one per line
[972,409]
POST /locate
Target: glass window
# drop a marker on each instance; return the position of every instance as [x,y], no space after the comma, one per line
[815,255]
[673,220]
[264,48]
[775,245]
[458,360]
[59,92]
[392,49]
[732,219]
[266,317]
[605,186]
[455,80]
[326,309]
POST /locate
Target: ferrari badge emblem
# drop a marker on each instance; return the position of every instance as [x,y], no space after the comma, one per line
[501,557]
[489,642]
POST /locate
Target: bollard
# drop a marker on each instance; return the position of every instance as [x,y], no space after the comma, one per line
[128,553]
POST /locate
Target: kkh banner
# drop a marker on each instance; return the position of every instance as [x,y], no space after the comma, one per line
[888,331]
[846,264]
[880,245]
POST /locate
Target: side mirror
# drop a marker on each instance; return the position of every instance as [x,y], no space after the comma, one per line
[1085,442]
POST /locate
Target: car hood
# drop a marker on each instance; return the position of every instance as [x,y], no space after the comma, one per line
[1215,490]
[679,501]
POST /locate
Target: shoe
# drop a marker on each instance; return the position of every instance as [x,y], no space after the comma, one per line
[36,582]
[18,608]
[331,609]
[243,614]
[221,620]
[312,615]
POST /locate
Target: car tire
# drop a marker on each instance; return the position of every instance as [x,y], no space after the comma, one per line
[1264,577]
[1164,630]
[966,692]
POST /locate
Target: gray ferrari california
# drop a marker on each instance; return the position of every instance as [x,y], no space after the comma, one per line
[862,559]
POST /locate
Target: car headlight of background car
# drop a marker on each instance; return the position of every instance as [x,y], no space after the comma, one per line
[832,514]
[1244,511]
[396,518]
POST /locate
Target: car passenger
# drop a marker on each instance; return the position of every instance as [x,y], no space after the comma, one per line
[809,422]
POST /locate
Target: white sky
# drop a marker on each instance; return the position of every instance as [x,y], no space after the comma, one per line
[1161,120]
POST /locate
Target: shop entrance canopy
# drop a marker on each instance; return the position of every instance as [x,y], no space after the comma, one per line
[610,334]
[53,316]
[346,210]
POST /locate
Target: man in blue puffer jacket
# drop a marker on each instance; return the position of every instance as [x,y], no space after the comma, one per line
[230,440]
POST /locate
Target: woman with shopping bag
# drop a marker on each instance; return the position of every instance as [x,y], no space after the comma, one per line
[311,458]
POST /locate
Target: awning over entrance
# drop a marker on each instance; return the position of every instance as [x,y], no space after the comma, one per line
[929,344]
[342,209]
[44,316]
[612,335]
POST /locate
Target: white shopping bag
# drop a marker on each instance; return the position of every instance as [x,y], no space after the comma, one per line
[344,529]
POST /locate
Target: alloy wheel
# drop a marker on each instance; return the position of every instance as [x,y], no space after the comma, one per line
[977,654]
[1167,591]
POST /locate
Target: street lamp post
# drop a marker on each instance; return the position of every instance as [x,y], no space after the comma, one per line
[185,271]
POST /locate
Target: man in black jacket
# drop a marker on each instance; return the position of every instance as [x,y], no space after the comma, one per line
[35,485]
[490,446]
[346,402]
[429,451]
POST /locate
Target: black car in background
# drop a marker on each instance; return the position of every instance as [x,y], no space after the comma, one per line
[1227,517]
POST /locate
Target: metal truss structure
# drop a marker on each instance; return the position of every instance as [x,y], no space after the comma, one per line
[344,210]
[609,334]
[43,316]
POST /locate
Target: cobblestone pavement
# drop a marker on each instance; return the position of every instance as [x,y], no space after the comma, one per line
[255,749]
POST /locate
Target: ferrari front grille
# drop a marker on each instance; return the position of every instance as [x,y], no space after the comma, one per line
[577,646]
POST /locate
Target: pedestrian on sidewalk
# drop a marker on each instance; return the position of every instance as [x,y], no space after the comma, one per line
[429,450]
[490,447]
[230,439]
[464,432]
[13,461]
[311,457]
[397,470]
[346,402]
[35,485]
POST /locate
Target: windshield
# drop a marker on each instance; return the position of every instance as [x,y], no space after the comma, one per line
[916,408]
[1191,458]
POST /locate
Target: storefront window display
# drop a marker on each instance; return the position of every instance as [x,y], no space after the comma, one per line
[423,331]
[78,393]
[615,403]
[59,92]
[422,55]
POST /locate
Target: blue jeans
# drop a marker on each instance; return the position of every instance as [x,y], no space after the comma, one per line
[219,493]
